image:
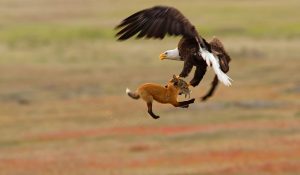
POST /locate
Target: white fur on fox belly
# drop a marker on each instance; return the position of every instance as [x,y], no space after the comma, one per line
[210,58]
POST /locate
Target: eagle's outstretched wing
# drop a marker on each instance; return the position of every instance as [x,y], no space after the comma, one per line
[156,22]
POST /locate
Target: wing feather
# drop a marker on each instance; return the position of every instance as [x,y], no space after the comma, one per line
[132,30]
[152,29]
[157,22]
[129,27]
[129,19]
[177,28]
[160,20]
[144,30]
[159,29]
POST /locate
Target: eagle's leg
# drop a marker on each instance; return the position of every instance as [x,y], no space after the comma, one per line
[214,85]
[198,75]
[187,68]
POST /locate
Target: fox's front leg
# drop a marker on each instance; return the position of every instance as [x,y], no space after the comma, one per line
[183,104]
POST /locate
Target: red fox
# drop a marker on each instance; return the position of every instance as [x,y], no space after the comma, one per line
[162,94]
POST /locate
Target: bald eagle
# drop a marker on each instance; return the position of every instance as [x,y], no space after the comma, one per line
[194,50]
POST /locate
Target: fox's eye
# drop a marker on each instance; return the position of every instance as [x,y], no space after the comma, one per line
[175,83]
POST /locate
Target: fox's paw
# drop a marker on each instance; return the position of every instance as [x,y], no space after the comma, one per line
[185,106]
[155,117]
[204,98]
[192,100]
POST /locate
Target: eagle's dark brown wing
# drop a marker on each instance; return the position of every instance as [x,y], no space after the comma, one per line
[219,50]
[156,22]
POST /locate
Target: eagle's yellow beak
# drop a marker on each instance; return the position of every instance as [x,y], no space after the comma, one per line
[162,56]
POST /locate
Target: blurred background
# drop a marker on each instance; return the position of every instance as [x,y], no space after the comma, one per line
[63,107]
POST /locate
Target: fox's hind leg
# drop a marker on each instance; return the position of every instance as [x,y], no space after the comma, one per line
[149,100]
[149,105]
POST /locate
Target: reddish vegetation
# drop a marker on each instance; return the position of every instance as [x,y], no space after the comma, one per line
[25,164]
[270,167]
[166,130]
[233,161]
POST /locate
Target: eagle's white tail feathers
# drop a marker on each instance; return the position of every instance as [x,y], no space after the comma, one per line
[212,60]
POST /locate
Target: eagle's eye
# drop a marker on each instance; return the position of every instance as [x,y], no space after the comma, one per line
[166,53]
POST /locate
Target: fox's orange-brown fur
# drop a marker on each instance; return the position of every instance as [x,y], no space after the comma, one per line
[162,94]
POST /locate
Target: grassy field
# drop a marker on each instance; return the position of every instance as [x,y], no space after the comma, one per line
[63,107]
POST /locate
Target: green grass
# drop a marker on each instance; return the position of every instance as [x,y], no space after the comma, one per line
[38,35]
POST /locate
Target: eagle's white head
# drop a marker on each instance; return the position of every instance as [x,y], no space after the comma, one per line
[170,55]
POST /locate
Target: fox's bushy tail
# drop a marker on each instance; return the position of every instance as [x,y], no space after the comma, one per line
[133,95]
